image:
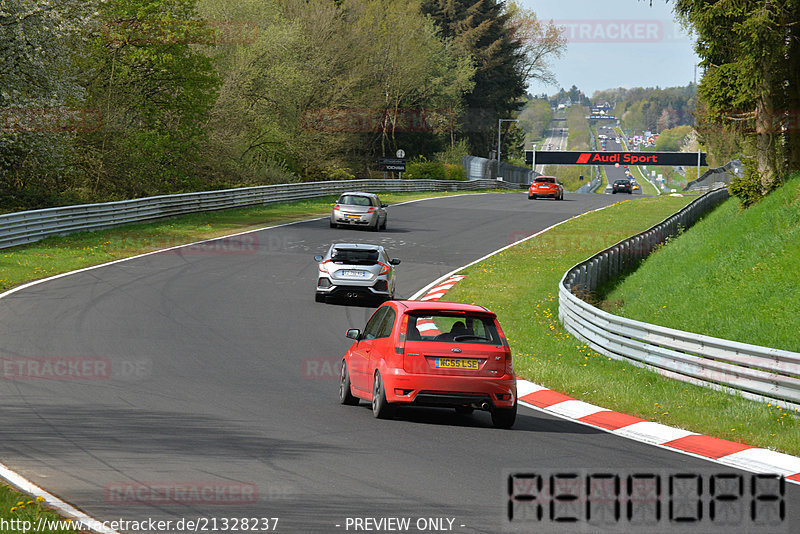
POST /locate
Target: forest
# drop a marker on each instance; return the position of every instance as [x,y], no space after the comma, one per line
[113,99]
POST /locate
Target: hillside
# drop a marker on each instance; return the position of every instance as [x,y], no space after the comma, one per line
[734,275]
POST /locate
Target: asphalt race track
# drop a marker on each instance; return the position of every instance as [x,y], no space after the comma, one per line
[214,366]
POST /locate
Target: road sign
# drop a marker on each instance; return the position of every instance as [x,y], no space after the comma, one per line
[614,158]
[392,164]
[400,153]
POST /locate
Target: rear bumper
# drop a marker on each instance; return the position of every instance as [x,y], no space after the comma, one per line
[537,194]
[364,220]
[355,289]
[439,390]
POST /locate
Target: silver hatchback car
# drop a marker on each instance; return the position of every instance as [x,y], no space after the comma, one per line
[353,270]
[359,209]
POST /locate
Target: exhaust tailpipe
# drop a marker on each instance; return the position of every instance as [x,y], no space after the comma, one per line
[486,406]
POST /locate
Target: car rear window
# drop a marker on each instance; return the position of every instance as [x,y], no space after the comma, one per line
[452,328]
[545,180]
[354,256]
[355,200]
[622,182]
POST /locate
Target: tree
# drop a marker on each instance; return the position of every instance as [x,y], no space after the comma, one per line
[331,85]
[750,54]
[38,87]
[156,89]
[507,46]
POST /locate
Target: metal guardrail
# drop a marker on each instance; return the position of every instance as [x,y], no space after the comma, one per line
[724,174]
[481,168]
[591,186]
[749,370]
[29,226]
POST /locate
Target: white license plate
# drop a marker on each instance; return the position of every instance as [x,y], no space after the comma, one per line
[354,274]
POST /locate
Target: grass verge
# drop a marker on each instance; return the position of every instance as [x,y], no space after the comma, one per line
[25,514]
[520,285]
[60,254]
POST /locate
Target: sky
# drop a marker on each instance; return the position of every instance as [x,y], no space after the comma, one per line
[617,43]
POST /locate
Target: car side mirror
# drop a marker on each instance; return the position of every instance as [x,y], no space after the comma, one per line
[353,333]
[395,261]
[384,205]
[317,258]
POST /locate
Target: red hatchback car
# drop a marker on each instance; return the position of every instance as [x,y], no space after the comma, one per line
[546,186]
[414,353]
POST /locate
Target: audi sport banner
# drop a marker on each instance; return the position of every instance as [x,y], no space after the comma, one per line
[614,158]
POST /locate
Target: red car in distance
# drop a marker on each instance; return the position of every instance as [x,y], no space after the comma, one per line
[441,354]
[546,186]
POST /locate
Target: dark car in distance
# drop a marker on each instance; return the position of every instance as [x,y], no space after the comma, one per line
[622,186]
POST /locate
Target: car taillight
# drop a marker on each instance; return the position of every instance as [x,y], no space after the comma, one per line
[400,348]
[384,268]
[371,210]
[322,267]
[336,207]
[509,364]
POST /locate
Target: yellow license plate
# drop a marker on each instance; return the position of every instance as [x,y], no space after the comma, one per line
[354,216]
[456,363]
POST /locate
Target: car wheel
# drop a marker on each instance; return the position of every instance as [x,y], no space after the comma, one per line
[530,197]
[345,394]
[319,297]
[377,226]
[464,410]
[381,409]
[504,417]
[383,226]
[613,192]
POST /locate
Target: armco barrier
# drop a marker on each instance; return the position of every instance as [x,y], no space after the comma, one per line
[749,370]
[30,226]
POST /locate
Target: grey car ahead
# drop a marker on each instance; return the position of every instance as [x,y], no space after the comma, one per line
[359,209]
[353,270]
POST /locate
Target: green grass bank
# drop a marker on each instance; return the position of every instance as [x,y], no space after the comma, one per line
[734,275]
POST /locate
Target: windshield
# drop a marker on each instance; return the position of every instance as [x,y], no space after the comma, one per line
[452,328]
[355,200]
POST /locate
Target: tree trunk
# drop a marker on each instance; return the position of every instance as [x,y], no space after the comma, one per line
[792,132]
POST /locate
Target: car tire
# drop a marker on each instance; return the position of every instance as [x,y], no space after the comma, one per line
[383,226]
[381,408]
[504,417]
[334,225]
[464,410]
[345,393]
[376,227]
[319,297]
[613,192]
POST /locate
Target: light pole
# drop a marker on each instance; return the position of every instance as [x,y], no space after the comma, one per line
[499,123]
